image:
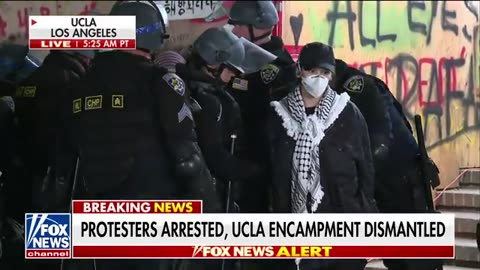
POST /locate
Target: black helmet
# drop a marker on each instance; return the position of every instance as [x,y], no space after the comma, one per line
[259,14]
[218,46]
[151,21]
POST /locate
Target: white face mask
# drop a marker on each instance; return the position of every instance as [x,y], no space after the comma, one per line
[315,85]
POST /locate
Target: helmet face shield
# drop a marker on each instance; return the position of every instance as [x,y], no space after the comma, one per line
[255,57]
[236,56]
[163,12]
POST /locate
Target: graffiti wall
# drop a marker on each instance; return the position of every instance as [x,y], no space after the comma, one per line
[426,51]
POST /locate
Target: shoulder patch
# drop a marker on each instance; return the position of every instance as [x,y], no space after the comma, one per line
[117,101]
[354,84]
[26,91]
[77,105]
[175,82]
[93,102]
[269,73]
[240,84]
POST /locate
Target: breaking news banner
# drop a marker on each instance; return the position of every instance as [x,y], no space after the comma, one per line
[82,32]
[179,229]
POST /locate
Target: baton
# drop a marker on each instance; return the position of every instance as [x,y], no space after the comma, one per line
[229,185]
[74,184]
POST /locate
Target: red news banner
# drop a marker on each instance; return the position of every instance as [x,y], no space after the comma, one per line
[83,32]
[179,229]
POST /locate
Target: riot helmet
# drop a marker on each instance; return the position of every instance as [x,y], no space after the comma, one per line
[254,14]
[151,21]
[217,46]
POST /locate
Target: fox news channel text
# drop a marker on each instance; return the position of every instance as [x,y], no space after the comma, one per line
[179,229]
[83,32]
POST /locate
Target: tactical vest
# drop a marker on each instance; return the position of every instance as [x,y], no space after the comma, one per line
[114,125]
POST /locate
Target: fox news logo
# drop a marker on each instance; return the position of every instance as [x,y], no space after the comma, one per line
[47,236]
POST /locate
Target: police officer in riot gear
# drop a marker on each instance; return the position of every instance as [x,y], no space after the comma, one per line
[133,129]
[11,232]
[399,185]
[254,20]
[220,56]
[38,98]
[217,57]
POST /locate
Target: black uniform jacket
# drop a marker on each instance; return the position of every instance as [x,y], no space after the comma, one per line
[347,174]
[253,92]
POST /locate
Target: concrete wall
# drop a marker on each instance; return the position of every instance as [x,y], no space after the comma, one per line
[427,52]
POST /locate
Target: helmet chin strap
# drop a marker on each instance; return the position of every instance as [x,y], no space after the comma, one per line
[253,38]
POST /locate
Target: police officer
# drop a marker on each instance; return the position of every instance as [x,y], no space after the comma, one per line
[399,187]
[133,128]
[11,233]
[217,57]
[254,20]
[38,99]
[220,56]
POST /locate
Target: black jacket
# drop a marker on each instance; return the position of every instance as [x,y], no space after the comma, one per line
[253,92]
[347,174]
[398,186]
[38,100]
[217,120]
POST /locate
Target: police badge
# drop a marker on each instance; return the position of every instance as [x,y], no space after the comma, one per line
[175,82]
[269,73]
[354,84]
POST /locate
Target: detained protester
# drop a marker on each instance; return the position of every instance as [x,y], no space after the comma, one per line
[400,186]
[38,103]
[133,130]
[255,20]
[320,152]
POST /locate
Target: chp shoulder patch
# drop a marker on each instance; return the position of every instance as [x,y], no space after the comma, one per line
[354,84]
[269,73]
[175,82]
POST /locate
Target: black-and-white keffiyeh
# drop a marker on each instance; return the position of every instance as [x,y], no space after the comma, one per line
[308,131]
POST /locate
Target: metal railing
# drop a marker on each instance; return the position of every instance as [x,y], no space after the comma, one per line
[458,178]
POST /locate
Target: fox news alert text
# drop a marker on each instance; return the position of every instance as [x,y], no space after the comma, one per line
[179,229]
[82,32]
